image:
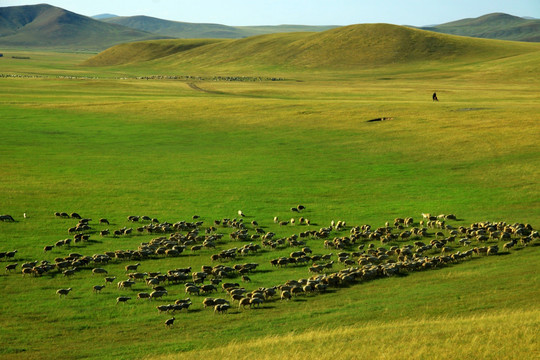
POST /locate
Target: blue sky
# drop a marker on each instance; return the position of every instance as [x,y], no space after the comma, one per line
[305,12]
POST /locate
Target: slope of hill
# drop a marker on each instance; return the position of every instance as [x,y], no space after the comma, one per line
[493,26]
[346,47]
[188,30]
[175,28]
[46,26]
[147,50]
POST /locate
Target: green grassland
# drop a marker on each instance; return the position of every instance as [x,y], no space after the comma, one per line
[103,143]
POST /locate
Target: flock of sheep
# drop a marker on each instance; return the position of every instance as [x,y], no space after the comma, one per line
[354,254]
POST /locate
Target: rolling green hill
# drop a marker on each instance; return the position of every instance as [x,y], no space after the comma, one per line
[147,50]
[354,46]
[46,26]
[493,26]
[197,30]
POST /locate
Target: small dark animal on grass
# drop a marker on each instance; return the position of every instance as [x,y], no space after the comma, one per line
[435,97]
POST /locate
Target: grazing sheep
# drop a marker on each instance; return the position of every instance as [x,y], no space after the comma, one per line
[208,288]
[122,299]
[221,308]
[132,267]
[48,248]
[492,250]
[255,302]
[192,290]
[170,322]
[6,218]
[163,308]
[244,302]
[75,216]
[99,271]
[11,267]
[240,213]
[125,284]
[143,295]
[110,279]
[69,272]
[158,293]
[64,292]
[507,246]
[208,302]
[286,295]
[98,288]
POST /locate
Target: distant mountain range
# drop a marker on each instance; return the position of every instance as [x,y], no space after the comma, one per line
[46,26]
[188,30]
[493,26]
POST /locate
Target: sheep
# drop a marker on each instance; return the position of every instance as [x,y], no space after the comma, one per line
[104,221]
[27,271]
[158,293]
[64,292]
[208,302]
[240,213]
[163,308]
[132,267]
[98,288]
[492,250]
[244,302]
[170,322]
[69,272]
[125,284]
[143,295]
[286,295]
[192,290]
[255,302]
[122,299]
[507,246]
[6,217]
[11,267]
[221,308]
[99,271]
[208,288]
[110,279]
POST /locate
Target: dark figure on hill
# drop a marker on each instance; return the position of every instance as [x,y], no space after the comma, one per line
[435,97]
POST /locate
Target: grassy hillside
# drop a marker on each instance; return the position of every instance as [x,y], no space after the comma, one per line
[145,51]
[351,47]
[106,144]
[493,26]
[45,26]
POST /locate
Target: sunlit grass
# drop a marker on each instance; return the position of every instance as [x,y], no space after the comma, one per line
[116,147]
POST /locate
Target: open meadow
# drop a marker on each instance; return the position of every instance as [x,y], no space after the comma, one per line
[121,140]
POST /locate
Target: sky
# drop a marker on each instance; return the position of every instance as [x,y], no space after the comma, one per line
[301,12]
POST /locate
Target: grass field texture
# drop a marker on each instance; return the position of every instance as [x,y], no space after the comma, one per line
[109,147]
